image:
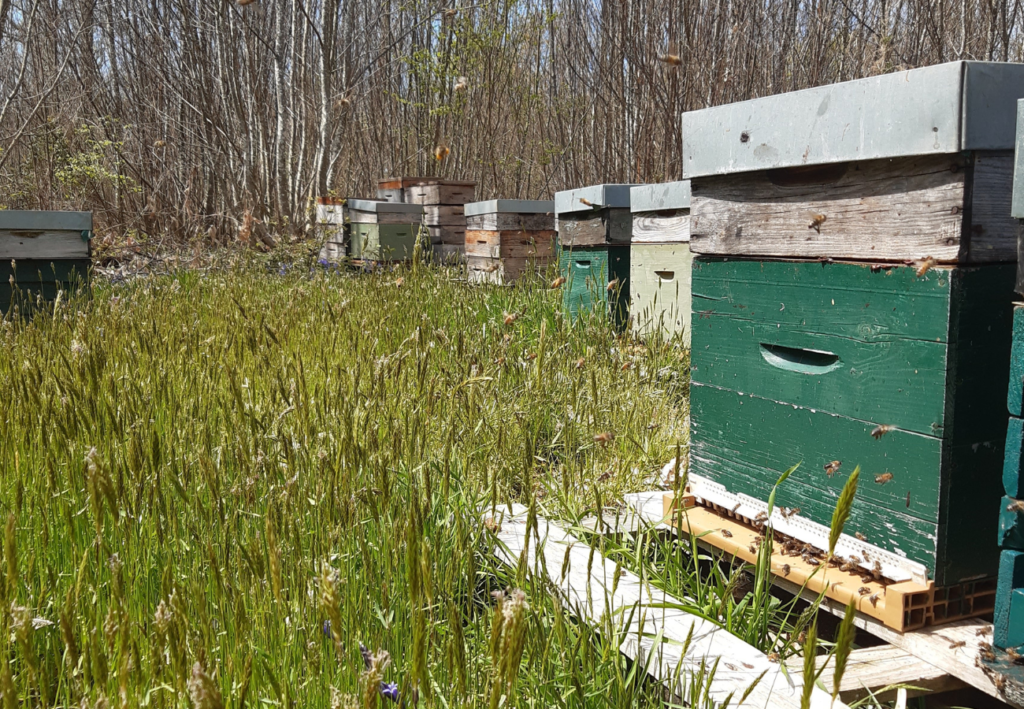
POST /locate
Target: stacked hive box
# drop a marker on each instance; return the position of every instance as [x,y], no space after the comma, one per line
[1008,626]
[443,203]
[659,259]
[851,307]
[42,253]
[330,217]
[382,231]
[594,227]
[508,237]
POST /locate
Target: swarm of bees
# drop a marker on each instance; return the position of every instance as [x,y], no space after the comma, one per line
[883,478]
[881,430]
[831,468]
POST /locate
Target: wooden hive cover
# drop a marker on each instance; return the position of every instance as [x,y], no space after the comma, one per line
[44,235]
[942,109]
[415,211]
[510,206]
[583,199]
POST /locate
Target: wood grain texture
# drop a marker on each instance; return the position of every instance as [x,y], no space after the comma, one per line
[1011,576]
[510,244]
[358,217]
[910,208]
[1015,388]
[936,645]
[992,231]
[448,235]
[586,582]
[669,227]
[659,287]
[588,272]
[504,221]
[42,244]
[440,194]
[595,228]
[448,254]
[501,271]
[444,215]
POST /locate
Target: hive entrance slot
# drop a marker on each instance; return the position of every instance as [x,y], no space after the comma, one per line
[665,275]
[800,360]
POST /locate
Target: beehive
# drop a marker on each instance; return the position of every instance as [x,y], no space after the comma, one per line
[506,238]
[382,231]
[852,303]
[42,253]
[660,259]
[443,204]
[594,227]
[330,219]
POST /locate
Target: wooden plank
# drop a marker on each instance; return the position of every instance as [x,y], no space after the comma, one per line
[889,210]
[993,231]
[1015,392]
[659,286]
[42,244]
[936,645]
[1013,458]
[358,217]
[449,254]
[42,220]
[595,228]
[440,193]
[1011,576]
[587,583]
[510,244]
[447,235]
[444,215]
[870,670]
[504,221]
[669,227]
[501,271]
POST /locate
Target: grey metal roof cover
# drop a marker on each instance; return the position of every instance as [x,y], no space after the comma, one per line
[373,205]
[511,206]
[46,221]
[945,108]
[667,195]
[598,196]
[1017,206]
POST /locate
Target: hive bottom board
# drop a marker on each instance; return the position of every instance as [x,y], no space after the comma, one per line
[745,442]
[659,285]
[35,278]
[588,272]
[382,242]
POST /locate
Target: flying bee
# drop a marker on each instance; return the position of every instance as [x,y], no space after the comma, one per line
[957,644]
[785,569]
[557,283]
[399,281]
[532,356]
[883,478]
[671,55]
[773,657]
[625,366]
[510,318]
[450,12]
[500,361]
[860,536]
[727,534]
[604,438]
[613,284]
[831,468]
[881,430]
[1015,506]
[863,590]
[586,202]
[581,362]
[441,152]
[924,266]
[816,221]
[462,84]
[491,525]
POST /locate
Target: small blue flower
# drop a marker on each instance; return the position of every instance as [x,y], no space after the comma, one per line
[327,627]
[389,690]
[283,270]
[324,262]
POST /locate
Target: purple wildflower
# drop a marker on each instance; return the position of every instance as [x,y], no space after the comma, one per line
[389,690]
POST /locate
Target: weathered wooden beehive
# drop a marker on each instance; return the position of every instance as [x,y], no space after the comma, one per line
[506,238]
[330,219]
[42,253]
[443,204]
[660,259]
[1008,625]
[382,231]
[852,307]
[594,227]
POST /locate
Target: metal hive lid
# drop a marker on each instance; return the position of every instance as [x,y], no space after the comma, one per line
[666,195]
[598,197]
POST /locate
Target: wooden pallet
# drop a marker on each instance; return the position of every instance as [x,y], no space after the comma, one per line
[902,606]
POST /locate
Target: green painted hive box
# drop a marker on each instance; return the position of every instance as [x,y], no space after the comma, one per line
[588,273]
[660,260]
[42,253]
[896,369]
[382,231]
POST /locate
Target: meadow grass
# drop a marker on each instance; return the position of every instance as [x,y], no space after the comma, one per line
[218,485]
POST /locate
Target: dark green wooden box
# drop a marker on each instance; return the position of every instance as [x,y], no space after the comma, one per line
[39,278]
[587,272]
[801,362]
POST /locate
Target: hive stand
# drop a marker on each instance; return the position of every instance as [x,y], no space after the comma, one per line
[660,260]
[594,229]
[42,253]
[852,293]
[506,238]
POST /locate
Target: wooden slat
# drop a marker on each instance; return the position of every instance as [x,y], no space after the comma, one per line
[993,232]
[500,221]
[871,669]
[440,193]
[595,228]
[586,583]
[936,645]
[668,227]
[42,244]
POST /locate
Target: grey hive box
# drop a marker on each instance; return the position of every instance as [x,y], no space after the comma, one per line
[330,220]
[909,165]
[660,259]
[42,253]
[382,231]
[506,238]
[443,202]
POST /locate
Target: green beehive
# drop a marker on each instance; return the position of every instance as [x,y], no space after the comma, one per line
[852,288]
[382,231]
[41,254]
[660,259]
